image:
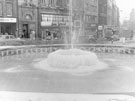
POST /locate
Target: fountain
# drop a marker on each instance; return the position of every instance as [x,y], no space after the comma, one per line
[54,69]
[72,60]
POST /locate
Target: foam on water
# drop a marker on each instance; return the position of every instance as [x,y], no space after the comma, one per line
[72,61]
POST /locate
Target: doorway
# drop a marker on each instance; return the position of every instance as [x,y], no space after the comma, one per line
[26,30]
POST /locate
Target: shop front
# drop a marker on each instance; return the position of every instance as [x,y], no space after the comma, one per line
[27,21]
[8,25]
[54,27]
[26,28]
[90,29]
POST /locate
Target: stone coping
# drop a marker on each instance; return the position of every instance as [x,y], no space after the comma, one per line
[98,48]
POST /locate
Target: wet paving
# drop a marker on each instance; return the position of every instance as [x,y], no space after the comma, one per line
[17,73]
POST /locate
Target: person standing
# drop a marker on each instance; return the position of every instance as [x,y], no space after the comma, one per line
[32,35]
[22,35]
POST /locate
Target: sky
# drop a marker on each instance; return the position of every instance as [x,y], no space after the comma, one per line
[125,8]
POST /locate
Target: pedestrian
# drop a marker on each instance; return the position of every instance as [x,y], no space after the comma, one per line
[22,35]
[32,35]
[48,35]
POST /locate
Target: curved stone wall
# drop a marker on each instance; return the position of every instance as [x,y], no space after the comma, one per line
[9,51]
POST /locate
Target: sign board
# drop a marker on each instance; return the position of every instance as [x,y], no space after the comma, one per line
[49,20]
[43,23]
[100,27]
[8,20]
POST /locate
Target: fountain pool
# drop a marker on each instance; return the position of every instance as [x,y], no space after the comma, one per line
[24,72]
[73,61]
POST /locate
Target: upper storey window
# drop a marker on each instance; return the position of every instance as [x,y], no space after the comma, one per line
[1,9]
[48,3]
[9,8]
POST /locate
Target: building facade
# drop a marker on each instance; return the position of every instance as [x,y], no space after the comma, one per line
[102,17]
[108,17]
[109,12]
[132,20]
[27,18]
[90,16]
[115,15]
[53,18]
[78,17]
[8,16]
[102,12]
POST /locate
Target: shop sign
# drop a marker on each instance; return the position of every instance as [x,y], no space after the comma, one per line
[46,20]
[50,20]
[100,27]
[9,20]
[43,23]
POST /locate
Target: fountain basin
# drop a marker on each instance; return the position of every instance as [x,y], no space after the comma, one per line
[72,58]
[18,71]
[73,61]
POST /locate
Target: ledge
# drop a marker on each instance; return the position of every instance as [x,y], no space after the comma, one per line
[98,48]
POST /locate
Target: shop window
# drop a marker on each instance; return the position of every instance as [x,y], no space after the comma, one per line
[9,8]
[1,9]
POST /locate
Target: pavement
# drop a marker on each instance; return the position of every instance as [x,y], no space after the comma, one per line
[126,43]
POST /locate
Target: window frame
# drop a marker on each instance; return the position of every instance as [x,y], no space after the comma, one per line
[10,8]
[1,12]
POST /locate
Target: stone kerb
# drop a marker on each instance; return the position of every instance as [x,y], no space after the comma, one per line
[50,48]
